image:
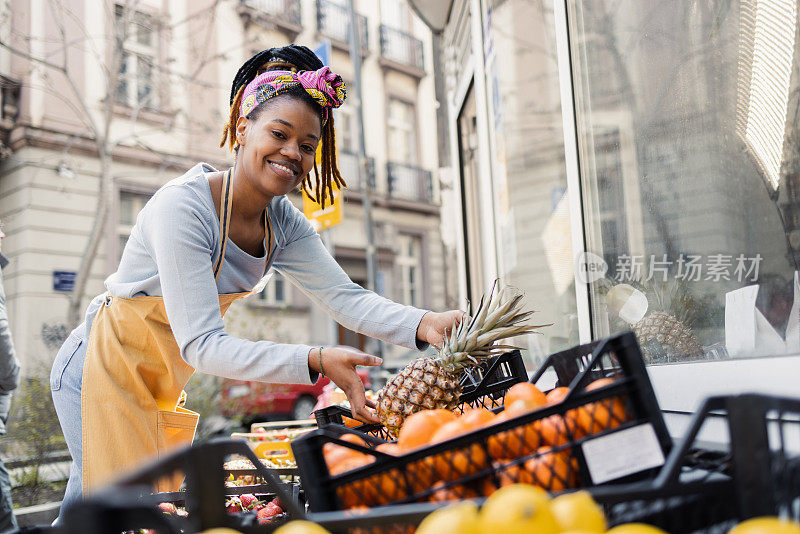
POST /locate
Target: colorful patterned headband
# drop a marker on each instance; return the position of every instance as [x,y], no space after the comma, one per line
[326,88]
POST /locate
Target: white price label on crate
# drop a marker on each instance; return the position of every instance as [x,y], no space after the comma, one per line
[622,453]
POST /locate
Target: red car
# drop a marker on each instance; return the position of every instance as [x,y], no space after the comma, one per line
[253,401]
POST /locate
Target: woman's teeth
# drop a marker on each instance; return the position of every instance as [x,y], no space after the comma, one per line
[285,169]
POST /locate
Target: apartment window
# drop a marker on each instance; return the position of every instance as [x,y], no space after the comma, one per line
[409,261]
[346,128]
[130,204]
[396,13]
[136,86]
[402,132]
[275,293]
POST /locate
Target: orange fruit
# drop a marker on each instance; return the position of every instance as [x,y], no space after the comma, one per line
[453,464]
[509,473]
[449,430]
[420,474]
[553,431]
[389,486]
[552,470]
[335,454]
[454,493]
[598,416]
[525,391]
[389,448]
[348,464]
[419,427]
[358,492]
[477,418]
[556,395]
[349,422]
[518,441]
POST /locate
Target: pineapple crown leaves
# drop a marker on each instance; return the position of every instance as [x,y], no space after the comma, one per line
[475,337]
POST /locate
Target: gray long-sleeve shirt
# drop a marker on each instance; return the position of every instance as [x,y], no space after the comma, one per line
[9,365]
[171,251]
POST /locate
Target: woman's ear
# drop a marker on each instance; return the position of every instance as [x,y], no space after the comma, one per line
[241,130]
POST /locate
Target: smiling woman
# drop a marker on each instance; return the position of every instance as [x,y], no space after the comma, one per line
[204,240]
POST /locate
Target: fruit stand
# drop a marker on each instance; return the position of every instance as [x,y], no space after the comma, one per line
[568,440]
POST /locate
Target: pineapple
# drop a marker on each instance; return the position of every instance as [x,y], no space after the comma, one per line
[667,322]
[433,382]
[677,339]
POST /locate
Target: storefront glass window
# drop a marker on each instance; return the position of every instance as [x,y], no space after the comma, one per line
[687,116]
[532,225]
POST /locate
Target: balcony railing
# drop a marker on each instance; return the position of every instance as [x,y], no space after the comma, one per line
[333,21]
[407,182]
[401,47]
[9,110]
[281,12]
[348,168]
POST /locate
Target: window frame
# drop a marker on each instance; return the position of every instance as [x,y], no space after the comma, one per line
[135,51]
[267,296]
[114,246]
[414,157]
[679,387]
[403,261]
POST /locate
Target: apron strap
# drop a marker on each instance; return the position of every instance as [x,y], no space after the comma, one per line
[226,205]
[270,235]
[224,221]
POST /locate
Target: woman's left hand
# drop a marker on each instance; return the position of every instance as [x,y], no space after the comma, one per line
[434,326]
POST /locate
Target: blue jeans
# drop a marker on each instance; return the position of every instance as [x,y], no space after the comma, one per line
[7,519]
[66,378]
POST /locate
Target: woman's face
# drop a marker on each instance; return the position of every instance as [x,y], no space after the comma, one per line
[277,149]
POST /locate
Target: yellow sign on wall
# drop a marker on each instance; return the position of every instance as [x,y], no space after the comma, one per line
[321,218]
[332,214]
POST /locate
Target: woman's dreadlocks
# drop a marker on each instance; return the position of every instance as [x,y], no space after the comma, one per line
[294,58]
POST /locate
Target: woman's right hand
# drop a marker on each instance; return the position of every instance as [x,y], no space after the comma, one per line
[339,364]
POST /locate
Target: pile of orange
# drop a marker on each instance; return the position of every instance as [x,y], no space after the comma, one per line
[533,453]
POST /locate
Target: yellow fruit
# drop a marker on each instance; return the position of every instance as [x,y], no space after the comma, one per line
[461,518]
[578,511]
[301,527]
[766,525]
[519,508]
[635,528]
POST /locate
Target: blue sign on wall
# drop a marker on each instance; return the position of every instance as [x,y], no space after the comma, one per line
[323,52]
[64,280]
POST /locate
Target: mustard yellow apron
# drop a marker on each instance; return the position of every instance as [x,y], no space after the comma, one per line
[133,379]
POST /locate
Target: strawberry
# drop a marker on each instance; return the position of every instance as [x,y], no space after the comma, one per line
[167,508]
[277,502]
[233,505]
[268,512]
[248,501]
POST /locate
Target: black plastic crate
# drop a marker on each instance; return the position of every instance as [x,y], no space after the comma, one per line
[549,446]
[756,473]
[130,504]
[483,386]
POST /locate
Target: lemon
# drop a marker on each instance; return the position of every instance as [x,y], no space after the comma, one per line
[766,525]
[519,508]
[301,527]
[636,528]
[578,511]
[455,519]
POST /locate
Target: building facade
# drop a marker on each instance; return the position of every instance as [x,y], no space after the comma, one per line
[62,108]
[633,165]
